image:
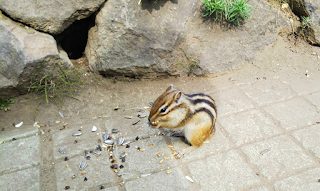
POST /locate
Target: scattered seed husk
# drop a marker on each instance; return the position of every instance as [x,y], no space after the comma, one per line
[161,161]
[109,142]
[115,130]
[142,149]
[170,146]
[120,140]
[116,108]
[62,150]
[189,178]
[124,154]
[265,151]
[126,142]
[67,166]
[78,133]
[151,104]
[83,172]
[102,187]
[67,187]
[66,159]
[61,114]
[73,177]
[136,122]
[96,153]
[83,165]
[85,179]
[169,172]
[140,115]
[57,121]
[128,117]
[137,138]
[158,154]
[145,175]
[105,136]
[18,125]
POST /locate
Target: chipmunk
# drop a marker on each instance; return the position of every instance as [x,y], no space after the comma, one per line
[193,114]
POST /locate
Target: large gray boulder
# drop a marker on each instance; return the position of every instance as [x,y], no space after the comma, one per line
[171,37]
[313,9]
[51,16]
[22,51]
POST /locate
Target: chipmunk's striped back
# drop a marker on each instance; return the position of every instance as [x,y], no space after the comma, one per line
[203,103]
[195,114]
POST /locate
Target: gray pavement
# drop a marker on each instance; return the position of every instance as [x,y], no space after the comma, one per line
[267,136]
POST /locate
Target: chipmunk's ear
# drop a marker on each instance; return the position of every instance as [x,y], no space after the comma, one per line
[170,87]
[177,97]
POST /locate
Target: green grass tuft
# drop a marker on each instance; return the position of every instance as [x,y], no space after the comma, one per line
[232,11]
[54,87]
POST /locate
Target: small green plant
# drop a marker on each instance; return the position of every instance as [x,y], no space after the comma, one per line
[190,66]
[306,22]
[5,104]
[54,87]
[232,11]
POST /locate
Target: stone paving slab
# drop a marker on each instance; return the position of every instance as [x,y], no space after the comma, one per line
[310,138]
[231,101]
[27,179]
[98,172]
[160,181]
[294,113]
[284,157]
[249,126]
[145,160]
[13,132]
[225,170]
[19,154]
[268,91]
[308,180]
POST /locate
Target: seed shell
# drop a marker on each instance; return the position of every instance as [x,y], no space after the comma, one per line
[62,150]
[83,165]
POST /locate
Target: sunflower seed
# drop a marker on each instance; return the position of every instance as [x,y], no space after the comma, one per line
[189,178]
[105,136]
[86,154]
[127,142]
[120,140]
[18,125]
[62,150]
[99,148]
[140,115]
[109,142]
[151,104]
[136,122]
[61,114]
[78,133]
[124,154]
[265,151]
[145,175]
[96,153]
[115,130]
[83,165]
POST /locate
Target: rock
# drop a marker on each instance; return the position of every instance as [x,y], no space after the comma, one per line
[22,51]
[171,37]
[51,16]
[311,9]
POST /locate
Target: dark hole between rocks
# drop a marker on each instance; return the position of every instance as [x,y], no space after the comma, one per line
[73,40]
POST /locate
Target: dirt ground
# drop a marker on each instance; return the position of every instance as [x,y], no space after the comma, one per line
[98,96]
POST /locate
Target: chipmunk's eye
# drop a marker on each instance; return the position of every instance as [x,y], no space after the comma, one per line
[163,110]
